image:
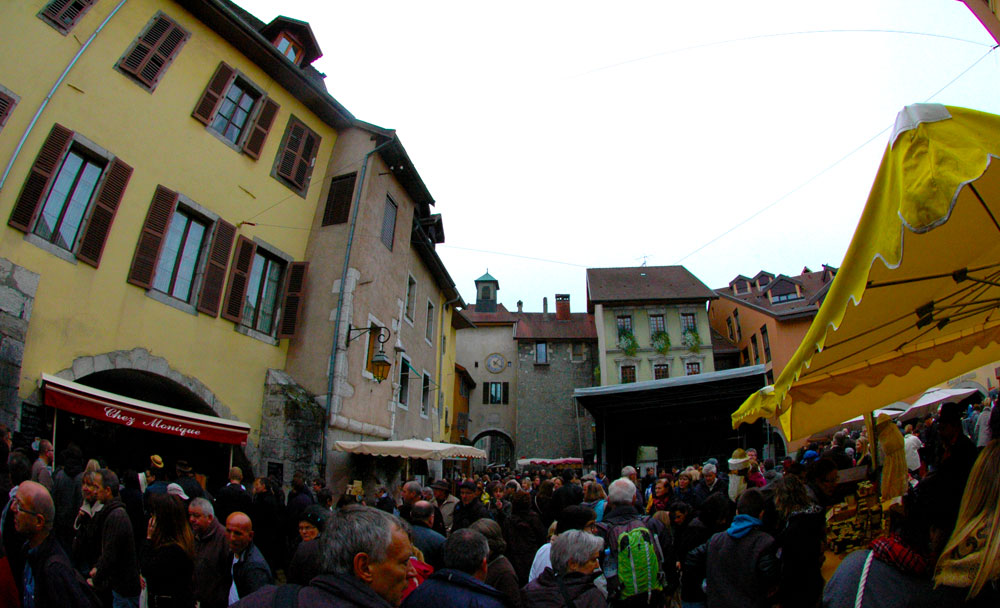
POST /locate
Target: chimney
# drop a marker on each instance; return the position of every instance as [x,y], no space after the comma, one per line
[520,306]
[562,307]
[545,306]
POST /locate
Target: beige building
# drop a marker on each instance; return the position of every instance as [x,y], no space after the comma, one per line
[652,323]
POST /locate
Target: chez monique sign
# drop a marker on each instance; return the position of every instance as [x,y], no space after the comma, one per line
[145,418]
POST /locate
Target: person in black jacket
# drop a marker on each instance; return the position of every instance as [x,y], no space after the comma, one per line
[800,534]
[470,509]
[232,497]
[250,570]
[54,580]
[167,555]
[460,584]
[570,580]
[117,567]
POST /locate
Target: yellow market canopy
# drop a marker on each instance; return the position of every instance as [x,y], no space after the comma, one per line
[410,448]
[915,301]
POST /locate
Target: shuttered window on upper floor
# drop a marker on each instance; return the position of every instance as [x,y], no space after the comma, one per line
[64,14]
[152,52]
[264,293]
[296,156]
[338,200]
[71,196]
[236,109]
[7,102]
[389,223]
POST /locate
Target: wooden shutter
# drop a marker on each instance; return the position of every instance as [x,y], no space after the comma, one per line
[103,215]
[65,13]
[338,201]
[258,133]
[216,89]
[292,303]
[486,393]
[7,104]
[372,341]
[296,158]
[154,230]
[305,161]
[39,176]
[215,268]
[389,223]
[239,274]
[506,392]
[153,50]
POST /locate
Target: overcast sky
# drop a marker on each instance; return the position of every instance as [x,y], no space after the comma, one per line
[729,137]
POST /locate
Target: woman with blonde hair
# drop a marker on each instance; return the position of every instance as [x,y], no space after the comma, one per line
[971,557]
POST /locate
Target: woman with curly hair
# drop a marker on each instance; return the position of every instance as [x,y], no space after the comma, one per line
[167,557]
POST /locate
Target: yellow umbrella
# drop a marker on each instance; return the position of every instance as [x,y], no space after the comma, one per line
[915,302]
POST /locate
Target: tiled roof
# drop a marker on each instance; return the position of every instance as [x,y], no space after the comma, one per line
[722,345]
[540,325]
[645,283]
[501,316]
[813,287]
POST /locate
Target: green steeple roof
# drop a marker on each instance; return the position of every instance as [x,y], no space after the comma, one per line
[486,277]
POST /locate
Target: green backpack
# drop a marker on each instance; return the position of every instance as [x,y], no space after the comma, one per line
[636,559]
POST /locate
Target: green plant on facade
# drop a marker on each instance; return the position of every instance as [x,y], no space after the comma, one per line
[628,343]
[661,342]
[597,375]
[692,340]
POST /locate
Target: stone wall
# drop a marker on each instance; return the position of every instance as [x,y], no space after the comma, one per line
[547,421]
[17,295]
[291,428]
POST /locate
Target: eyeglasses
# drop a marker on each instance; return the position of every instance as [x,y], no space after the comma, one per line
[16,506]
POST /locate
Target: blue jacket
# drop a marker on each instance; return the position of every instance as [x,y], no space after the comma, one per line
[456,590]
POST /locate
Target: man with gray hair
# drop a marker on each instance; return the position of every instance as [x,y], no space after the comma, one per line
[709,484]
[460,584]
[411,493]
[620,518]
[575,555]
[212,578]
[366,564]
[629,472]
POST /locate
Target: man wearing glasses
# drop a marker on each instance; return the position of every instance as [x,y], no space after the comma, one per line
[49,578]
[41,470]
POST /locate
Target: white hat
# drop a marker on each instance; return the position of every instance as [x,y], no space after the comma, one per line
[176,490]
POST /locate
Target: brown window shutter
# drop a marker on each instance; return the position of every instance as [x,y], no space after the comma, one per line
[153,50]
[41,173]
[239,274]
[292,304]
[215,268]
[304,164]
[65,13]
[373,331]
[217,87]
[486,392]
[103,215]
[154,229]
[6,106]
[506,392]
[290,154]
[338,201]
[258,134]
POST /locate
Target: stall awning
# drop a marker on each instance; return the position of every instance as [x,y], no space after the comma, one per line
[410,448]
[118,409]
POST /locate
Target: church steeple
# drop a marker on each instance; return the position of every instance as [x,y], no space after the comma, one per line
[486,293]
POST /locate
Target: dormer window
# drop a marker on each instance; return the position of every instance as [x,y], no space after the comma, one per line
[288,47]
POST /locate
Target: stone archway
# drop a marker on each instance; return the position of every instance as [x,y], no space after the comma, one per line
[497,444]
[139,375]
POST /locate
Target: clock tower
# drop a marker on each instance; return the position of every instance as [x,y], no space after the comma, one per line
[486,293]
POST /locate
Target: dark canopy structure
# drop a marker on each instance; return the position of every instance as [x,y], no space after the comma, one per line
[686,418]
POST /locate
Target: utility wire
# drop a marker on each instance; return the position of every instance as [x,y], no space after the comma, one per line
[828,168]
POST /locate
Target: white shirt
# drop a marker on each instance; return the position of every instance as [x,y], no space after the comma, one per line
[234,595]
[541,562]
[911,443]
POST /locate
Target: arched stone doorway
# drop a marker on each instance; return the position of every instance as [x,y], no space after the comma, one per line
[498,445]
[123,448]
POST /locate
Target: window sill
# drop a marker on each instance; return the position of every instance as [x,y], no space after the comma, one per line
[402,406]
[55,250]
[541,364]
[256,335]
[171,301]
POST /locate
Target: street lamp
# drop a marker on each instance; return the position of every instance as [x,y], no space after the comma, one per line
[380,362]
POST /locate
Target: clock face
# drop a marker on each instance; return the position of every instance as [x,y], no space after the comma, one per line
[495,363]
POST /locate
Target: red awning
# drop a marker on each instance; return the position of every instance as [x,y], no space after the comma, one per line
[118,409]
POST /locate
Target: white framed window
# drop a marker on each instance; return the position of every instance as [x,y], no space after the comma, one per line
[429,331]
[411,298]
[404,382]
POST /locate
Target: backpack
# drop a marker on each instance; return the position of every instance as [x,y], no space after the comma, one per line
[634,562]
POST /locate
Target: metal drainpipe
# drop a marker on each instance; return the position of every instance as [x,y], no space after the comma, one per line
[52,91]
[340,297]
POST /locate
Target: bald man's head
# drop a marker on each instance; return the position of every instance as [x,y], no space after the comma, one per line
[239,532]
[35,511]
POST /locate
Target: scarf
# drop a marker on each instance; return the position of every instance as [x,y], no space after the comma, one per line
[893,551]
[958,567]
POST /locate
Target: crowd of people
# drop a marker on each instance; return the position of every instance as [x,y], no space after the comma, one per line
[746,532]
